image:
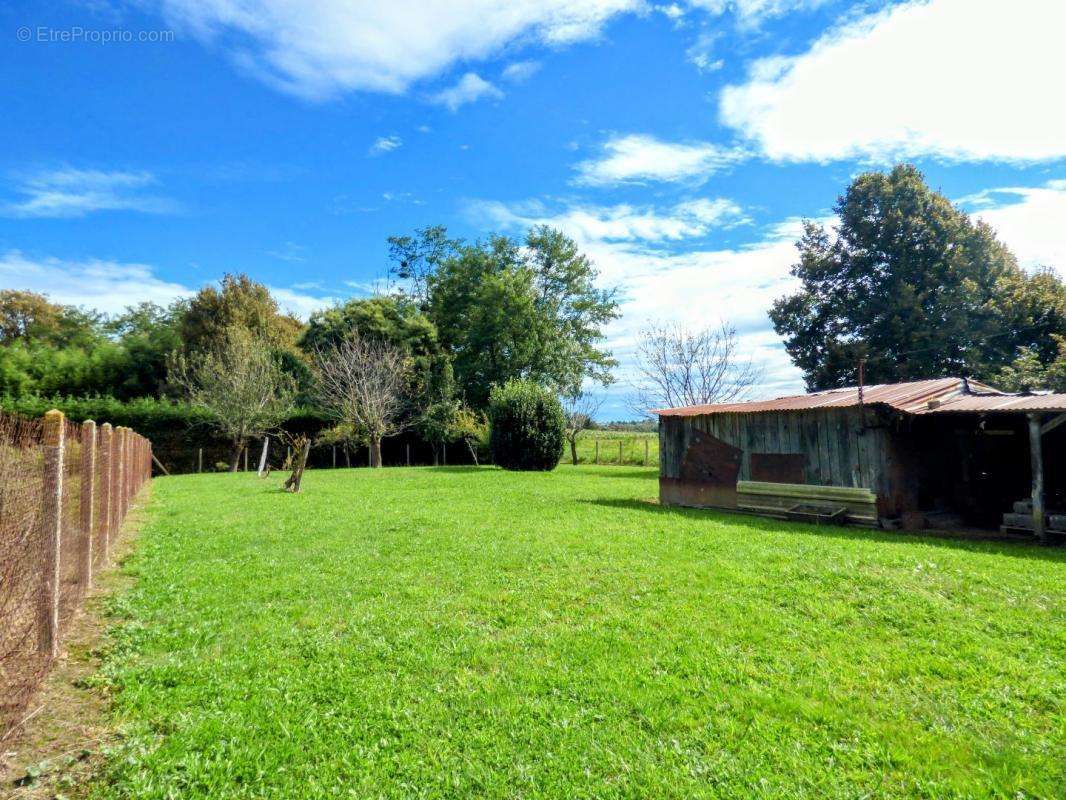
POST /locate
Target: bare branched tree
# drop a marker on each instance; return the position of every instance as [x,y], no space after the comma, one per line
[240,383]
[579,409]
[361,383]
[678,366]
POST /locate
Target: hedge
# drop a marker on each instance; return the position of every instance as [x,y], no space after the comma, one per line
[178,431]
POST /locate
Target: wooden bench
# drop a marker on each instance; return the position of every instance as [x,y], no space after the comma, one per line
[823,505]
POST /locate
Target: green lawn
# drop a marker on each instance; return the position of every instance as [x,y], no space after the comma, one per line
[476,633]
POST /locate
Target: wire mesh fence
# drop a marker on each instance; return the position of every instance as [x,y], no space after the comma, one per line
[64,492]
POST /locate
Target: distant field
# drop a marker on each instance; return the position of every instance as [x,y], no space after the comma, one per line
[465,632]
[632,448]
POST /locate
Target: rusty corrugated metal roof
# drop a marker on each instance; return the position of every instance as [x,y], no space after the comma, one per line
[999,402]
[941,395]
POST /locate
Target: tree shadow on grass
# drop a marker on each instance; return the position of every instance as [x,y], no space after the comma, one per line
[1016,548]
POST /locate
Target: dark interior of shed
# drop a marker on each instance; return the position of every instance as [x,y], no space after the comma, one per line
[970,469]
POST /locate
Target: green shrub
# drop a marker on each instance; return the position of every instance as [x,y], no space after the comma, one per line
[526,426]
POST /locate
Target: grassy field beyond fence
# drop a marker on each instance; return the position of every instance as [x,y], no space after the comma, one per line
[464,632]
[633,448]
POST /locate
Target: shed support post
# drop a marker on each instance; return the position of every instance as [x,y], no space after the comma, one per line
[1036,459]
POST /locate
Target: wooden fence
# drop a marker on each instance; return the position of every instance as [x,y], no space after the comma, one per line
[64,492]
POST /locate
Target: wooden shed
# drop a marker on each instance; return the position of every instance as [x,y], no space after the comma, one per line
[940,453]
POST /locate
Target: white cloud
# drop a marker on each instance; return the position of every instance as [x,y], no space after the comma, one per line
[470,88]
[385,144]
[749,13]
[108,286]
[635,251]
[321,48]
[965,80]
[1029,220]
[300,304]
[701,53]
[291,252]
[77,192]
[112,286]
[520,71]
[639,158]
[618,223]
[672,11]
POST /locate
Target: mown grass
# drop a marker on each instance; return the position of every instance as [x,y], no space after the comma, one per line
[469,632]
[635,445]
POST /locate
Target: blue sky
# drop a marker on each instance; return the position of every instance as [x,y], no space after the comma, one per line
[150,147]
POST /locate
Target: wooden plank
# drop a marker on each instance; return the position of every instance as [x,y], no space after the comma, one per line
[831,453]
[806,491]
[862,456]
[845,444]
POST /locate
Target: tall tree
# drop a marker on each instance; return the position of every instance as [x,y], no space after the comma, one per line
[678,366]
[413,259]
[393,319]
[1029,371]
[912,285]
[240,383]
[32,318]
[148,334]
[238,302]
[578,410]
[361,382]
[506,309]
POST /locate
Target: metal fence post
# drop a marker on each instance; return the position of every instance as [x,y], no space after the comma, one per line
[88,500]
[200,460]
[51,533]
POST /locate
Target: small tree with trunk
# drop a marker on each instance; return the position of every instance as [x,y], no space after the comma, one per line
[240,383]
[361,383]
[578,408]
[678,366]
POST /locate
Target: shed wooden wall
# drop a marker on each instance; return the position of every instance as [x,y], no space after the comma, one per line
[833,446]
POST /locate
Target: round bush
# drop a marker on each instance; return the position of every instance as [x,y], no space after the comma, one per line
[526,426]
